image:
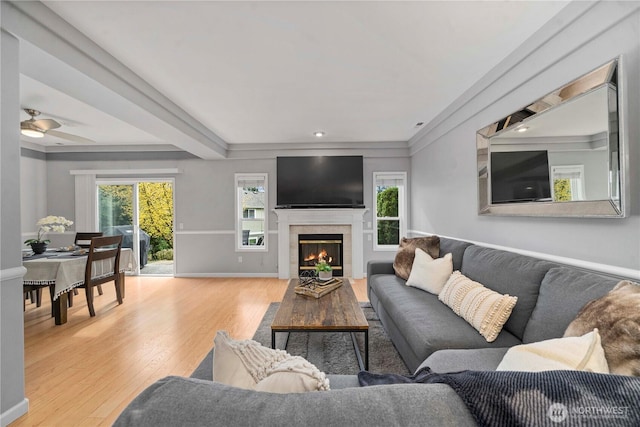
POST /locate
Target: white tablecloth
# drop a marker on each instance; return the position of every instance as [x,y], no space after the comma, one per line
[67,272]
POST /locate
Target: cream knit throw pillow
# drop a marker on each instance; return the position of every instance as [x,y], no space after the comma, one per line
[248,364]
[486,310]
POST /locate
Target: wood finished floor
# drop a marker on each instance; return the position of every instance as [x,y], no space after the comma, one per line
[85,372]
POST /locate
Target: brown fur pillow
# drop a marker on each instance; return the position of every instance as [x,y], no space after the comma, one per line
[407,252]
[617,317]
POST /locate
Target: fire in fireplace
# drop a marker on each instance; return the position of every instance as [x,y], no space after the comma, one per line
[315,247]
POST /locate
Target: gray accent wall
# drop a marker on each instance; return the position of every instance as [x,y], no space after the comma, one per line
[443,162]
[204,206]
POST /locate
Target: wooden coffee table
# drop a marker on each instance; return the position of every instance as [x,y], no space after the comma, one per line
[338,311]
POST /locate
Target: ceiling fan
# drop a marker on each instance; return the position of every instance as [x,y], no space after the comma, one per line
[38,128]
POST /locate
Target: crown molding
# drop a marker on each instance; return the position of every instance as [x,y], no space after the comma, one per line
[326,148]
[495,86]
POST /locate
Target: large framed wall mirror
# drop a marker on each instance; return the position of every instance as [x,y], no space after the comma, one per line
[562,155]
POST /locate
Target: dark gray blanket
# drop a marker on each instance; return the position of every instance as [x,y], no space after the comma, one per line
[553,398]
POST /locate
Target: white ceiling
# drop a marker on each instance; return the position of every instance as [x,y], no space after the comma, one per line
[275,72]
[585,115]
[76,117]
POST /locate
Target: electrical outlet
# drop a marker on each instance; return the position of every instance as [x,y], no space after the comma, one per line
[180,226]
[239,259]
[369,225]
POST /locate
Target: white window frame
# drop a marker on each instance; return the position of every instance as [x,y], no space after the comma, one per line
[125,180]
[402,207]
[577,185]
[240,177]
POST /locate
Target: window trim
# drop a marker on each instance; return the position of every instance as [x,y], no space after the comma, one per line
[238,177]
[402,209]
[577,186]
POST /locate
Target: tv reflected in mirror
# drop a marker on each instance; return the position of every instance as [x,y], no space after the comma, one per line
[520,176]
[561,155]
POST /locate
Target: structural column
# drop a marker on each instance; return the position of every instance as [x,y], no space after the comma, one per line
[13,403]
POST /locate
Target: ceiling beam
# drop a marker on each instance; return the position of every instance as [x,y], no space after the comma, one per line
[58,55]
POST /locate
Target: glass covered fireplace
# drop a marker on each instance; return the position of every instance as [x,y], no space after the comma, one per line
[314,247]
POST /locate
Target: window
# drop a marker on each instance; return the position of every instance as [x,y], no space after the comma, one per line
[142,211]
[568,183]
[251,208]
[390,209]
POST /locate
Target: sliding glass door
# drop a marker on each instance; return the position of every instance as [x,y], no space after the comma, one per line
[142,213]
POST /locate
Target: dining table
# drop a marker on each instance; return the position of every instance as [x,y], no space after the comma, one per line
[62,271]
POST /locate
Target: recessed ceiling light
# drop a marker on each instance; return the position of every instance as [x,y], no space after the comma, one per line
[419,124]
[522,129]
[318,134]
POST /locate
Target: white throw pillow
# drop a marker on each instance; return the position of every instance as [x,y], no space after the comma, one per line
[293,375]
[227,366]
[583,353]
[250,365]
[430,274]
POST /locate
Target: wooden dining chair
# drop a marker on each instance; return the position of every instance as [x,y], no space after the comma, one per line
[34,293]
[83,239]
[100,251]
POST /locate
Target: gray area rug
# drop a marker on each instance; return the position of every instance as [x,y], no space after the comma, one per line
[332,352]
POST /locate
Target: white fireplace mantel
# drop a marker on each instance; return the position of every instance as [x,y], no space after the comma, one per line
[346,216]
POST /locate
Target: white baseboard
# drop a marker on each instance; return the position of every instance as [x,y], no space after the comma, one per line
[15,412]
[227,275]
[587,265]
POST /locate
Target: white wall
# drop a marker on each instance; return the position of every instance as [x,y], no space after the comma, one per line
[205,206]
[443,164]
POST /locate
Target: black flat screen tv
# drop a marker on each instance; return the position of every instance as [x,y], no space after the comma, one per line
[520,176]
[320,182]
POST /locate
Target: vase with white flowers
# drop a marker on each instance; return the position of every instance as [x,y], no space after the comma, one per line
[46,224]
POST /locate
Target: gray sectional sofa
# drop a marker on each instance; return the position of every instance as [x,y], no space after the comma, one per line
[425,332]
[420,326]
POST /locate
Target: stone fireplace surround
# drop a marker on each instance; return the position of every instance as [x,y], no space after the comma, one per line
[347,221]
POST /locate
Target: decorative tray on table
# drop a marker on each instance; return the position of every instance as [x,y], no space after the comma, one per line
[313,287]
